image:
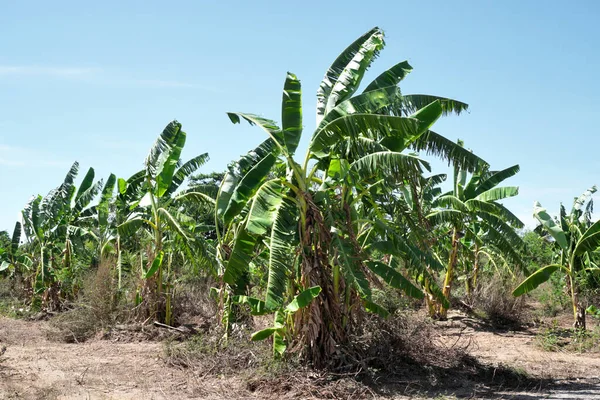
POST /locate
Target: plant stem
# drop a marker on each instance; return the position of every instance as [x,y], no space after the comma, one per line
[443,311]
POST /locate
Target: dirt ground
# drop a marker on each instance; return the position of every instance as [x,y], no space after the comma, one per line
[34,367]
[562,375]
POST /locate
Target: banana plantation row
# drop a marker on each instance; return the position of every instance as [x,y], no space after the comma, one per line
[303,239]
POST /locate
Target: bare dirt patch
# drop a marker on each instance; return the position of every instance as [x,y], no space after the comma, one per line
[36,367]
[561,374]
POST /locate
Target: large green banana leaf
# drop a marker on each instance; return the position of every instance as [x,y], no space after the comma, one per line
[536,279]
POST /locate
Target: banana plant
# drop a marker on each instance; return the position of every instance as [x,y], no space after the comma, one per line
[159,210]
[113,209]
[283,320]
[307,214]
[13,258]
[406,207]
[53,226]
[476,219]
[575,239]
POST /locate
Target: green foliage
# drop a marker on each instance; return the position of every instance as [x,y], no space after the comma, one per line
[576,239]
[314,242]
[554,338]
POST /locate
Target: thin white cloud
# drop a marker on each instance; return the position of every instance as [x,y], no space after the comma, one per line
[11,163]
[108,142]
[21,157]
[64,72]
[164,84]
[95,76]
[543,191]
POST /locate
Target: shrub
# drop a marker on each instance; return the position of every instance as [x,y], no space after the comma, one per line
[495,300]
[96,308]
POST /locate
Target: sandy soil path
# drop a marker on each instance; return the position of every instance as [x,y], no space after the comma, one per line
[575,376]
[34,367]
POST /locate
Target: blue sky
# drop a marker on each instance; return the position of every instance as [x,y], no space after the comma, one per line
[97,81]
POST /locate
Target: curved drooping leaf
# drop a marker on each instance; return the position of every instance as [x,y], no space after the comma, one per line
[264,333]
[291,113]
[186,170]
[233,179]
[247,185]
[403,130]
[395,279]
[31,218]
[70,179]
[548,223]
[257,306]
[15,238]
[344,75]
[498,193]
[451,201]
[396,133]
[237,268]
[387,163]
[590,241]
[536,279]
[402,248]
[437,145]
[413,102]
[495,179]
[505,230]
[283,243]
[162,148]
[174,224]
[581,200]
[193,194]
[434,180]
[303,299]
[130,227]
[86,197]
[365,103]
[427,116]
[269,126]
[375,308]
[447,216]
[472,184]
[496,209]
[165,172]
[507,245]
[134,186]
[391,77]
[86,183]
[155,265]
[266,202]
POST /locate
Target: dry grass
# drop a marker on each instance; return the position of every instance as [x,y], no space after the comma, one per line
[96,310]
[495,302]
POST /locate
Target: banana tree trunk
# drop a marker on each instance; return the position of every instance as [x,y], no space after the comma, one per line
[168,293]
[578,309]
[472,282]
[324,323]
[430,300]
[119,262]
[42,263]
[446,291]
